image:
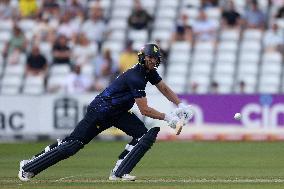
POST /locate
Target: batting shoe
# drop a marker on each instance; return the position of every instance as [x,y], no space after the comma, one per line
[24,176]
[125,177]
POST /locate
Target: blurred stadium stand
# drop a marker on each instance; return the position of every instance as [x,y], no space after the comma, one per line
[224,55]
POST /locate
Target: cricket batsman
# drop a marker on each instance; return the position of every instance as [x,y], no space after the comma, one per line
[111,108]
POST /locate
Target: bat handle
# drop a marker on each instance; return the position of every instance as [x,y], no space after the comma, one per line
[179,126]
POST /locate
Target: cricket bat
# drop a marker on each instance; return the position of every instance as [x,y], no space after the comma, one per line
[179,126]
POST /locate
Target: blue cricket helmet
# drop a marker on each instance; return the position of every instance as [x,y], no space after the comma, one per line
[151,50]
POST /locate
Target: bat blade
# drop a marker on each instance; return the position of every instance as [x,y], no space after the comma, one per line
[179,126]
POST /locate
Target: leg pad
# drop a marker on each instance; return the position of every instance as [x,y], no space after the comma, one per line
[45,160]
[139,150]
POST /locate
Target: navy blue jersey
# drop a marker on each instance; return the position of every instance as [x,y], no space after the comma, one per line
[120,96]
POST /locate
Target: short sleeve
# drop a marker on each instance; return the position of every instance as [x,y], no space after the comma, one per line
[154,78]
[137,87]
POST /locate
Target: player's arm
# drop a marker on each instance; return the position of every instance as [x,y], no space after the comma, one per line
[138,91]
[168,92]
[183,109]
[145,110]
[151,112]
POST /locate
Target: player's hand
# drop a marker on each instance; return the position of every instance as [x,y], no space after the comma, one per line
[172,120]
[184,111]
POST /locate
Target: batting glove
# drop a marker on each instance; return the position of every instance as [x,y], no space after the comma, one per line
[184,111]
[172,120]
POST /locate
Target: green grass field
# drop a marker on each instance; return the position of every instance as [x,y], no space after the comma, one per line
[168,165]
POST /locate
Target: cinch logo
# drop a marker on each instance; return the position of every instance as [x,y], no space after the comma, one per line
[65,113]
[264,114]
[13,120]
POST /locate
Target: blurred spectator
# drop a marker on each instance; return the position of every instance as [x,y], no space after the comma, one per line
[280,12]
[17,41]
[230,16]
[105,69]
[95,27]
[128,57]
[50,9]
[6,11]
[36,62]
[83,51]
[242,87]
[194,88]
[214,87]
[208,3]
[74,7]
[273,39]
[43,30]
[15,47]
[204,29]
[254,17]
[49,4]
[77,20]
[66,28]
[139,18]
[76,82]
[183,31]
[61,51]
[28,8]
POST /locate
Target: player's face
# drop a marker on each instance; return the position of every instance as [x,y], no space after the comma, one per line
[150,62]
